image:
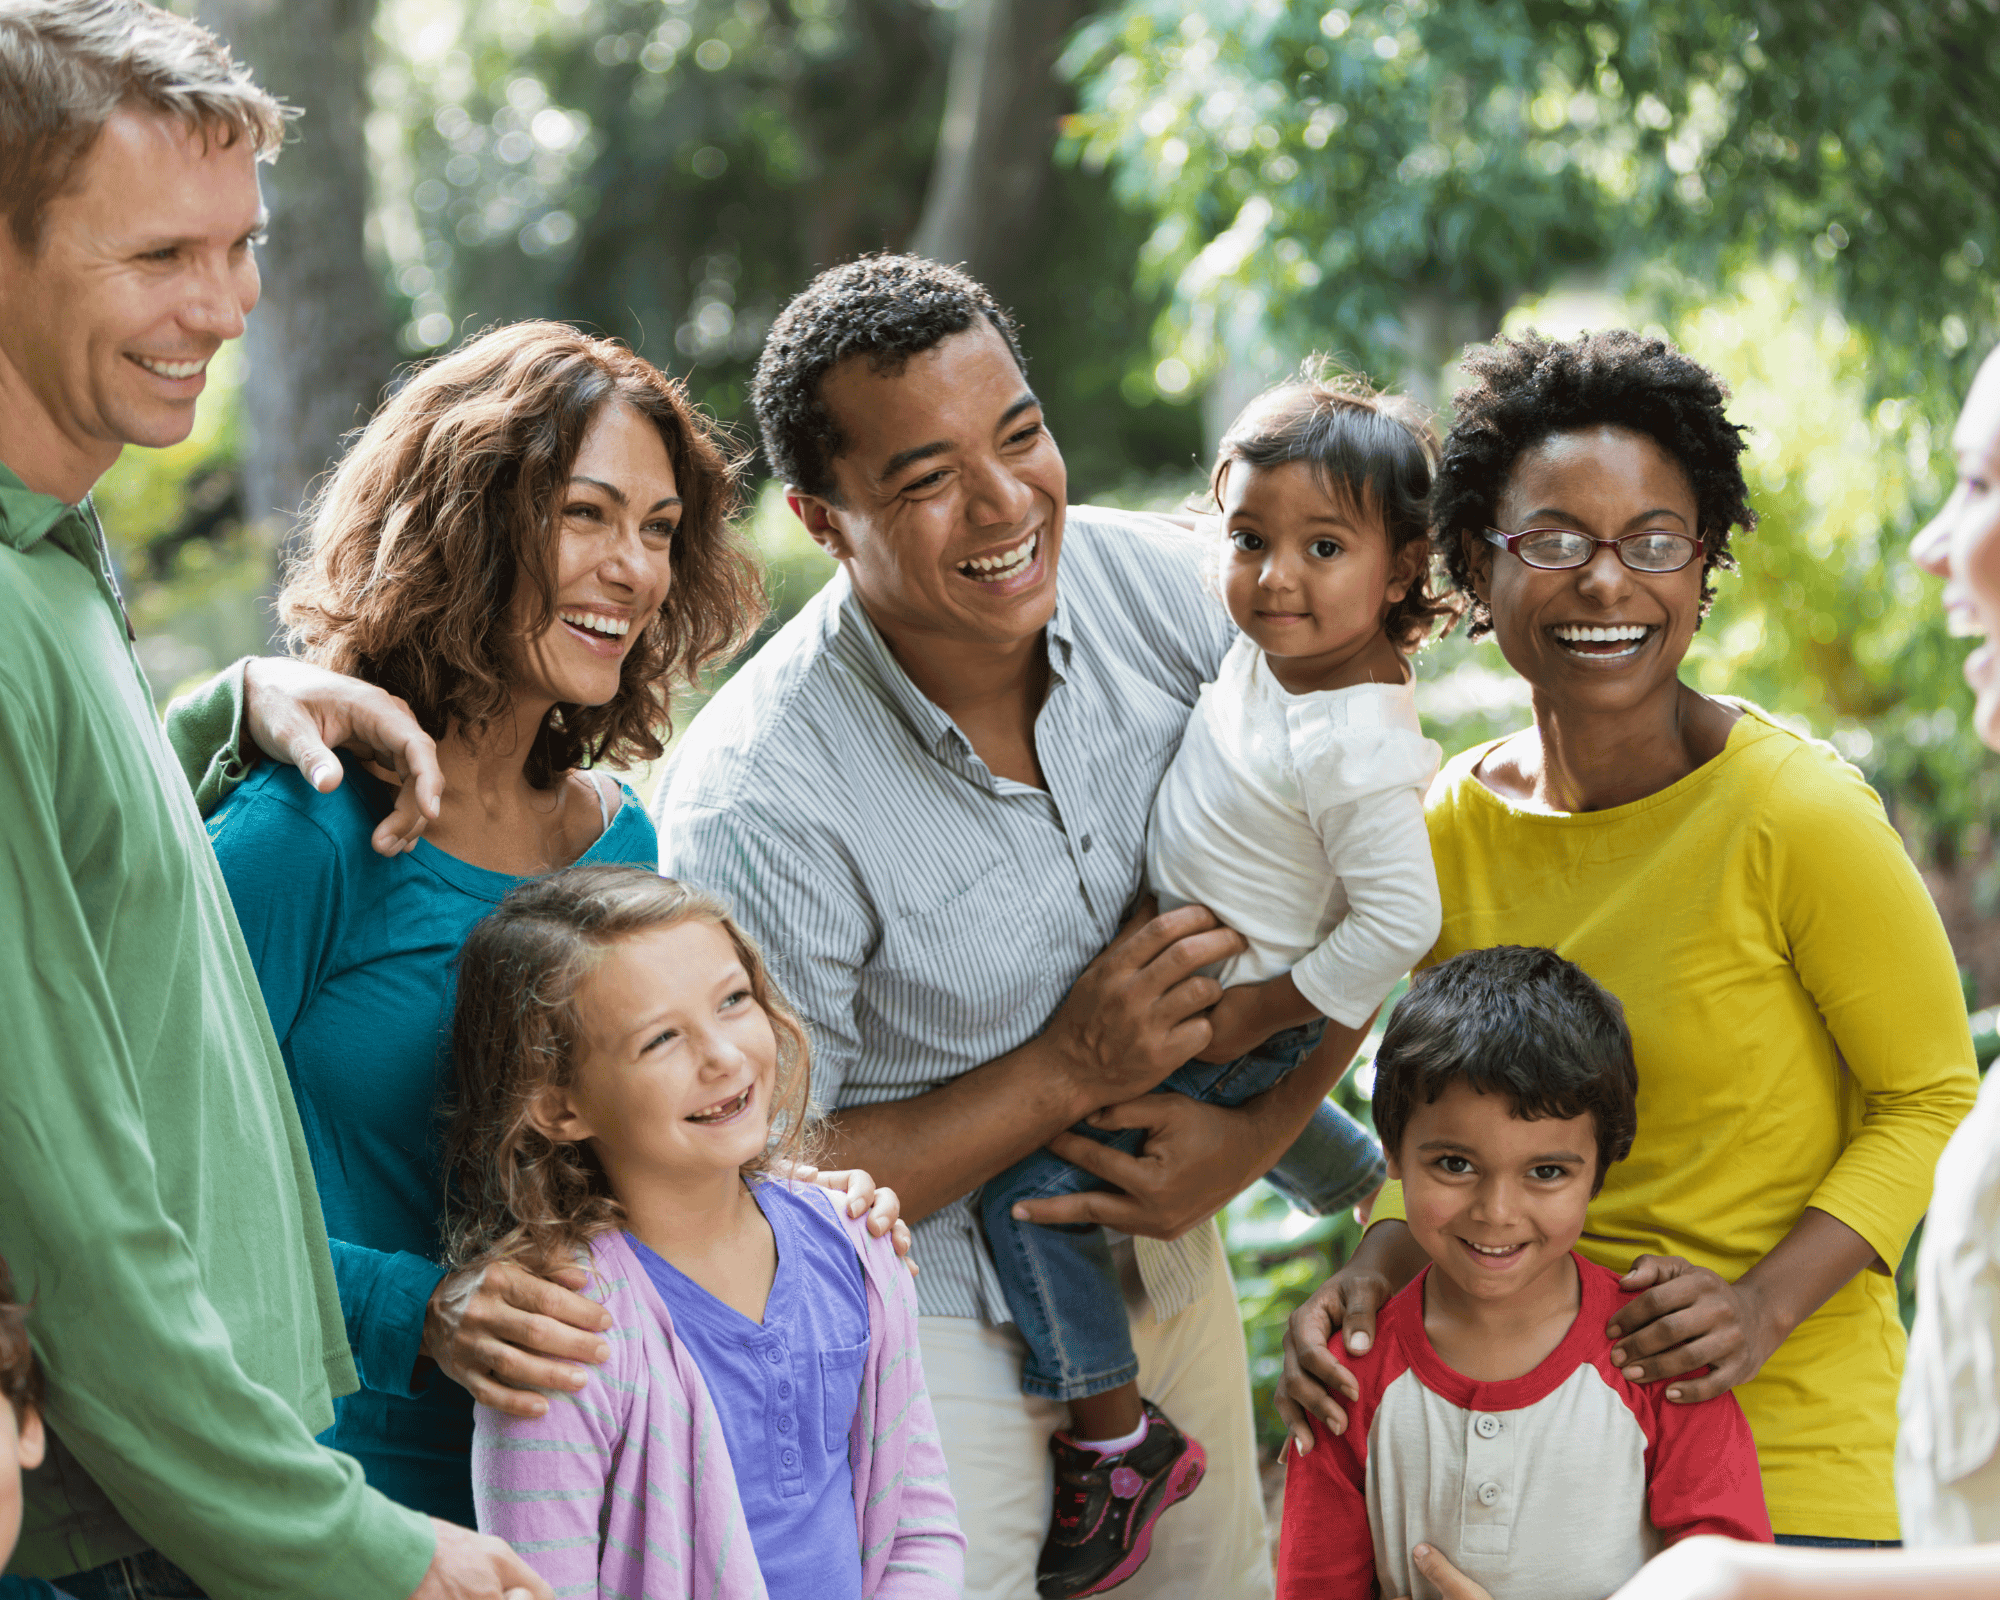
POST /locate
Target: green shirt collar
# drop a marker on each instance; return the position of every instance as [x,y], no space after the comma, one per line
[25,516]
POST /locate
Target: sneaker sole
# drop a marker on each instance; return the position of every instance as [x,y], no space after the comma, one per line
[1181,1483]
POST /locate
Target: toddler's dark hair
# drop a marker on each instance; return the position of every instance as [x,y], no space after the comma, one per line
[1371,452]
[20,1377]
[1516,1020]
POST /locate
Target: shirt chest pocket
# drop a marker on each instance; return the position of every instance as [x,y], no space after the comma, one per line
[840,1393]
[967,962]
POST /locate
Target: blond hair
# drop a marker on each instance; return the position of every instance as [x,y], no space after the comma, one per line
[66,66]
[513,1193]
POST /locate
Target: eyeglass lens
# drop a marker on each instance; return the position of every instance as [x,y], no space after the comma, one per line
[1643,552]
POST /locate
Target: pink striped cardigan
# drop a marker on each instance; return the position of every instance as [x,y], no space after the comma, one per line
[624,1489]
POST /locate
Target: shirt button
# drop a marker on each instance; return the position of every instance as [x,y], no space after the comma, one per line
[789,1458]
[1485,1426]
[784,1391]
[1489,1494]
[771,1356]
[1086,844]
[784,1424]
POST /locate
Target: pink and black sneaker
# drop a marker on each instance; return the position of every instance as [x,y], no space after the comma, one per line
[1101,1529]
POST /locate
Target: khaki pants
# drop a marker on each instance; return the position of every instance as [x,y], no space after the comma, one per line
[996,1443]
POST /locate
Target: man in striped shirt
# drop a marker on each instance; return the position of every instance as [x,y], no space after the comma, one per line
[927,798]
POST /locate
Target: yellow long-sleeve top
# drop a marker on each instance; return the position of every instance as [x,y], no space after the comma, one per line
[1801,1041]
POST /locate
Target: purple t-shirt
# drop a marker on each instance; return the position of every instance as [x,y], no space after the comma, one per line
[786,1392]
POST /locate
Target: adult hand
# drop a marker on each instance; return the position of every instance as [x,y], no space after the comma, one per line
[1704,1568]
[1196,1159]
[1135,1013]
[1451,1584]
[472,1566]
[1689,1318]
[299,713]
[1386,1259]
[1345,1304]
[502,1333]
[885,1211]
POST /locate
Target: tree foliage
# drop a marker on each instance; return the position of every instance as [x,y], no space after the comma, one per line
[1388,180]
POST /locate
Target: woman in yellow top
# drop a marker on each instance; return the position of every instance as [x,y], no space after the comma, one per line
[1801,1040]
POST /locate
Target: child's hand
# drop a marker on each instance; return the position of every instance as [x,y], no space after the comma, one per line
[1250,1013]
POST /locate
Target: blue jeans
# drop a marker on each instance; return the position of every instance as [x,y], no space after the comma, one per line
[146,1576]
[1059,1280]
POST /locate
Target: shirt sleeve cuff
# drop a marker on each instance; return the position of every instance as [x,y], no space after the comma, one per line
[390,1327]
[1389,1204]
[205,728]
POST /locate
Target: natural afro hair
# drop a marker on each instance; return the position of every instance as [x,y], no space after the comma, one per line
[1523,390]
[885,307]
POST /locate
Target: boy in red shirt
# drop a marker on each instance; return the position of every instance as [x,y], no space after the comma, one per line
[1492,1425]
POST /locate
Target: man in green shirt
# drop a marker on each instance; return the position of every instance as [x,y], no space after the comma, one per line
[156,1202]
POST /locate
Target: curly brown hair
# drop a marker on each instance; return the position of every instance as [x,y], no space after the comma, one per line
[1369,450]
[449,501]
[20,1377]
[514,1194]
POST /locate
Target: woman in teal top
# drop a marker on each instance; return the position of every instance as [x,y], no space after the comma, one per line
[529,545]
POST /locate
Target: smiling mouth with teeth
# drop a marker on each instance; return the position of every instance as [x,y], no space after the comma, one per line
[172,369]
[1613,642]
[1493,1250]
[595,622]
[1007,564]
[726,1110]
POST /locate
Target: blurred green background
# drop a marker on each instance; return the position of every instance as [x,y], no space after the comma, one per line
[1180,201]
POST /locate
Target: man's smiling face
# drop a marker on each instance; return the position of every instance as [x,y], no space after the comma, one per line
[948,494]
[143,269]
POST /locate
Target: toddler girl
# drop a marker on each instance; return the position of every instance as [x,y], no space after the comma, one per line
[627,1076]
[1293,811]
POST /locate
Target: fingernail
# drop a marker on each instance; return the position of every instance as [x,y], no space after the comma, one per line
[321,773]
[1673,1394]
[1618,1356]
[1635,1373]
[1019,1213]
[1358,1341]
[1422,1552]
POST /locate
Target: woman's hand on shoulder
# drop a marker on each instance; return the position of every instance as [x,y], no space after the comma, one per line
[502,1333]
[885,1211]
[1687,1318]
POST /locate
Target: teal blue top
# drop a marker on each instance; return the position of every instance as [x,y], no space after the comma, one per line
[356,954]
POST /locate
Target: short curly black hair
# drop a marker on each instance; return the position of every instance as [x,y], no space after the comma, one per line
[885,307]
[1522,390]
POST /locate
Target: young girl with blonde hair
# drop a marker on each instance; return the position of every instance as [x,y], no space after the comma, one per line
[627,1077]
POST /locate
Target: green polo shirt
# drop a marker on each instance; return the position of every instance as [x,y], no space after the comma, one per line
[156,1201]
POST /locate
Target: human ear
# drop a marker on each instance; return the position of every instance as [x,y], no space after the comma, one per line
[821,523]
[31,1442]
[1407,570]
[1479,558]
[553,1114]
[1395,1167]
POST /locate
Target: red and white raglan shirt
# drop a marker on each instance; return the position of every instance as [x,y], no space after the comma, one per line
[1558,1485]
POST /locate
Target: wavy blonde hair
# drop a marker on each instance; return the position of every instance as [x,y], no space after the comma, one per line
[450,501]
[513,1193]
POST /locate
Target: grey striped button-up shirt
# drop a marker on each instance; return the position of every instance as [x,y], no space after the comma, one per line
[923,915]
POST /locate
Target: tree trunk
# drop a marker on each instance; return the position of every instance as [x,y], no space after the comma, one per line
[318,351]
[999,134]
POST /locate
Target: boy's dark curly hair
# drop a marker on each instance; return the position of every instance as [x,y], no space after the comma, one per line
[1369,450]
[1513,1020]
[1522,390]
[885,307]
